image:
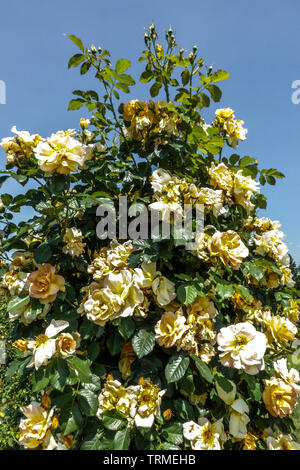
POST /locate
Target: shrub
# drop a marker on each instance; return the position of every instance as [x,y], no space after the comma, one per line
[161,342]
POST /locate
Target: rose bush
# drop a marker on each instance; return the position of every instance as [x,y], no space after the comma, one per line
[142,343]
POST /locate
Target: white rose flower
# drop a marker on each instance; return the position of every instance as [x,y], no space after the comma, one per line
[243,347]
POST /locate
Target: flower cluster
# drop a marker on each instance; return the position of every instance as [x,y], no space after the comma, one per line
[36,429]
[19,149]
[154,121]
[119,291]
[139,403]
[231,128]
[193,333]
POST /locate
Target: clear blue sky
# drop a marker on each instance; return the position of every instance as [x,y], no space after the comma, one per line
[257,42]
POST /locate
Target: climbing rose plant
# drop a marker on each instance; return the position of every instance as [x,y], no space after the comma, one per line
[142,343]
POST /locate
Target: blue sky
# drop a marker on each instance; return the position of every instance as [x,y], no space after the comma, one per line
[257,42]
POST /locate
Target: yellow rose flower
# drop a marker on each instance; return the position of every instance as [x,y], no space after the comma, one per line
[66,344]
[229,247]
[279,398]
[35,430]
[44,284]
[170,329]
[62,154]
[278,330]
[221,178]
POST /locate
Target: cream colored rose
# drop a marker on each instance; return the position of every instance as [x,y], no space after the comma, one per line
[43,347]
[229,247]
[243,347]
[221,178]
[170,329]
[205,435]
[110,259]
[291,377]
[44,284]
[35,430]
[275,440]
[115,396]
[61,153]
[164,290]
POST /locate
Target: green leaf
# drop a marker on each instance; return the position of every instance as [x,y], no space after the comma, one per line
[146,76]
[59,372]
[114,343]
[74,421]
[122,65]
[176,367]
[215,92]
[143,342]
[187,294]
[88,402]
[76,104]
[76,60]
[82,368]
[203,369]
[17,302]
[185,76]
[173,433]
[126,328]
[154,90]
[225,291]
[245,292]
[114,420]
[224,383]
[76,41]
[122,439]
[43,253]
[40,380]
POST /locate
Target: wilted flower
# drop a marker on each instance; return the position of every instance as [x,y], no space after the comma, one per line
[44,284]
[73,242]
[115,396]
[128,356]
[111,259]
[243,347]
[19,148]
[148,396]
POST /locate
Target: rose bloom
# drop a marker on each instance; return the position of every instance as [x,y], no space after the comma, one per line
[148,397]
[275,440]
[205,435]
[229,247]
[210,198]
[223,115]
[164,290]
[73,240]
[66,344]
[35,430]
[279,330]
[44,345]
[239,419]
[291,377]
[170,329]
[221,178]
[110,259]
[115,396]
[243,347]
[19,147]
[61,153]
[279,397]
[44,284]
